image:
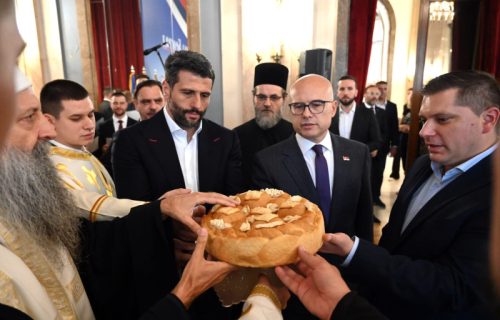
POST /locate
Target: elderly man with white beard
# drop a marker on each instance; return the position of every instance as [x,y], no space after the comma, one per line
[54,265]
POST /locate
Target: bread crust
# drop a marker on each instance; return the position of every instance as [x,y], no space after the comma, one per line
[267,246]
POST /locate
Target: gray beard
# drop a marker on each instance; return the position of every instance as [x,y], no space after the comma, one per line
[266,122]
[36,204]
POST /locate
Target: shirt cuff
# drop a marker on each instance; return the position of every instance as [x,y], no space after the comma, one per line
[351,254]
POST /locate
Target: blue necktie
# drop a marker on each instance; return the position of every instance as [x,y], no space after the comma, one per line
[322,181]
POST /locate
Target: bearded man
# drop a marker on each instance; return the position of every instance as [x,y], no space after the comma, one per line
[54,265]
[178,148]
[268,127]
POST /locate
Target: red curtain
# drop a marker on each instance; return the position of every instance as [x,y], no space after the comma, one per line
[488,53]
[476,36]
[362,21]
[120,20]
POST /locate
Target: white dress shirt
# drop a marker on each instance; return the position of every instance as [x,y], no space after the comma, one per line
[345,121]
[116,125]
[186,151]
[306,145]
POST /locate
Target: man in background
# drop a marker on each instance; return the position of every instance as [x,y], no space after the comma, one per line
[372,94]
[391,111]
[148,100]
[352,121]
[268,127]
[118,121]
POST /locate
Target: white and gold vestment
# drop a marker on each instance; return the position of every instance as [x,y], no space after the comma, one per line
[36,285]
[90,184]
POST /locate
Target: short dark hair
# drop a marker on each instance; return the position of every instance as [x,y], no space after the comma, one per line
[54,92]
[381,82]
[191,61]
[349,77]
[147,83]
[476,90]
[119,94]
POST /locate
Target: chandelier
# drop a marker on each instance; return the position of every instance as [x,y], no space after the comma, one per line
[442,11]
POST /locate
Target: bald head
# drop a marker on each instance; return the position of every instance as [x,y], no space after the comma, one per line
[313,84]
[312,107]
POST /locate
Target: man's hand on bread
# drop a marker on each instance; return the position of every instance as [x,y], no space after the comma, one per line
[185,208]
[180,204]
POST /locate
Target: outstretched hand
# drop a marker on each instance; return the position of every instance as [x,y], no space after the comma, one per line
[180,203]
[200,274]
[339,244]
[317,283]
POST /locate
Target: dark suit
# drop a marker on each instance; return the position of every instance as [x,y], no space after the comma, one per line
[378,162]
[282,166]
[391,111]
[437,266]
[364,127]
[146,164]
[254,139]
[107,130]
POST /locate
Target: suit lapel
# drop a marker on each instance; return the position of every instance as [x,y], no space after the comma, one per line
[341,171]
[464,184]
[209,148]
[392,231]
[335,123]
[477,177]
[294,162]
[356,121]
[159,139]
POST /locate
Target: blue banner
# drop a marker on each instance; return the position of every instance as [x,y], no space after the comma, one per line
[163,22]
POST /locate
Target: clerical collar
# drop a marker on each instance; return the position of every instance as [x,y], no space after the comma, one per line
[60,145]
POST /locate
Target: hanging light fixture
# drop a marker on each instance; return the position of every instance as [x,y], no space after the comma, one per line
[442,11]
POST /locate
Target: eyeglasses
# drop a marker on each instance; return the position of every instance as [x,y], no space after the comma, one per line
[263,97]
[315,107]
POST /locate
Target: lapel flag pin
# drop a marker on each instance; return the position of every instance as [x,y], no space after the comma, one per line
[346,158]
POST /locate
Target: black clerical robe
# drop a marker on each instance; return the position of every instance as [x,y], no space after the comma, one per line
[253,139]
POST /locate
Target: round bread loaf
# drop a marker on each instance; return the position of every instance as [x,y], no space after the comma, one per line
[264,230]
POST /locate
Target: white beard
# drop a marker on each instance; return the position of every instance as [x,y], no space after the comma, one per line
[35,203]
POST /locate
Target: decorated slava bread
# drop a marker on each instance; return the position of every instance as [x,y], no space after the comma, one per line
[264,230]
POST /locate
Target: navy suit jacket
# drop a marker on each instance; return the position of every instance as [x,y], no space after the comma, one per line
[364,127]
[282,166]
[436,267]
[391,111]
[146,165]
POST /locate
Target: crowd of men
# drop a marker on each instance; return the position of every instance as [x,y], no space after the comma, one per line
[79,243]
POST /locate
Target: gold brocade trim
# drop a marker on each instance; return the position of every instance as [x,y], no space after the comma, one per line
[66,172]
[100,170]
[263,290]
[38,264]
[69,153]
[95,208]
[8,294]
[247,310]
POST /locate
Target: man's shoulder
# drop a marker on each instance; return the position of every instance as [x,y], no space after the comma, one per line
[341,142]
[245,127]
[288,144]
[391,104]
[210,127]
